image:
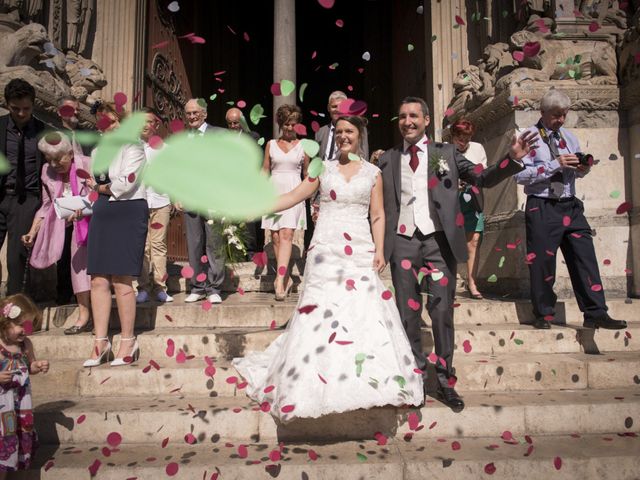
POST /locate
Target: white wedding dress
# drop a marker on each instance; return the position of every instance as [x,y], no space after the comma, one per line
[345,347]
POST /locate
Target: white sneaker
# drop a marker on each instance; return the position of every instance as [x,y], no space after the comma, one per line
[215,298]
[164,297]
[194,297]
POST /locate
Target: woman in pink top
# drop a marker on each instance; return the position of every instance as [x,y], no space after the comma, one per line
[53,238]
[286,162]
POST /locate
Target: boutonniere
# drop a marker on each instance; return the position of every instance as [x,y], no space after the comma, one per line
[439,165]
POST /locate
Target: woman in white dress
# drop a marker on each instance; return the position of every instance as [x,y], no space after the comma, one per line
[345,347]
[286,162]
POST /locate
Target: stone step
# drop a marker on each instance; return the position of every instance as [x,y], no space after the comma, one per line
[498,373]
[235,342]
[151,419]
[562,457]
[260,310]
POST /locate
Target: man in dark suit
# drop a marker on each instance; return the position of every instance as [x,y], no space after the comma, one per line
[425,229]
[255,235]
[202,238]
[20,186]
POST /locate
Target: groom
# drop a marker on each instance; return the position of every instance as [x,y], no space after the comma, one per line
[425,229]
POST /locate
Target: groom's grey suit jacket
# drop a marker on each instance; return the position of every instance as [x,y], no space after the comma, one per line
[444,196]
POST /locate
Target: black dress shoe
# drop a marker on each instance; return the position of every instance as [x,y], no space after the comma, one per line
[605,321]
[541,324]
[451,399]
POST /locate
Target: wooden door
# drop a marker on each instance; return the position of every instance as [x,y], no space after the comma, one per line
[167,89]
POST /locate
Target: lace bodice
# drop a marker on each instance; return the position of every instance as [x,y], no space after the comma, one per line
[342,200]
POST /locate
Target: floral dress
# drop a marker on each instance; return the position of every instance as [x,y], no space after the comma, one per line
[17,435]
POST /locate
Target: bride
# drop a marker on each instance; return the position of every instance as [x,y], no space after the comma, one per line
[345,347]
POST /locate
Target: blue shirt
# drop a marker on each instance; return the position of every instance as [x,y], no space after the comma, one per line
[539,168]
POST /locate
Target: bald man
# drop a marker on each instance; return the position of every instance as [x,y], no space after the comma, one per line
[255,235]
[236,121]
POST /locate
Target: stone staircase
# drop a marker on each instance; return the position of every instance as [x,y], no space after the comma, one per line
[562,402]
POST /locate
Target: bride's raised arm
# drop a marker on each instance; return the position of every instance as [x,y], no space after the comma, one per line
[303,191]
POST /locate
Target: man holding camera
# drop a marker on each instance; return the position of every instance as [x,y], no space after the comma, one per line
[555,218]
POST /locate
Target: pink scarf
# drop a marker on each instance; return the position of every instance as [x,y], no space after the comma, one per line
[82,225]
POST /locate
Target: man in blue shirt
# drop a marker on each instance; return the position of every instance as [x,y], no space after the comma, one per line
[555,218]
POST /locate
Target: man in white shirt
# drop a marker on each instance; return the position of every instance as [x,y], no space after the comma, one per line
[153,279]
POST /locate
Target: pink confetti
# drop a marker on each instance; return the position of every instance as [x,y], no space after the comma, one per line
[624,207]
[596,287]
[413,304]
[490,468]
[275,90]
[459,219]
[332,194]
[594,26]
[206,305]
[187,271]
[81,419]
[466,345]
[246,37]
[201,277]
[455,445]
[242,451]
[326,3]
[260,259]
[531,49]
[172,469]
[170,348]
[459,20]
[160,45]
[176,125]
[120,98]
[181,357]
[557,462]
[413,420]
[322,379]
[406,264]
[518,55]
[300,129]
[313,455]
[387,295]
[288,408]
[93,468]
[566,220]
[114,439]
[449,112]
[315,126]
[339,23]
[190,438]
[307,309]
[432,182]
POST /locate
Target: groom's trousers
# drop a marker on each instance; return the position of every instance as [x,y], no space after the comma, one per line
[428,252]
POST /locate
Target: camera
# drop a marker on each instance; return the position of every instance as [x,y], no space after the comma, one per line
[585,159]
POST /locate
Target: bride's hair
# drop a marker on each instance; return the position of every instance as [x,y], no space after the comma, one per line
[361,124]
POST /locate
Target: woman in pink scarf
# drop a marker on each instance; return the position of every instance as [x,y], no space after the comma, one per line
[61,177]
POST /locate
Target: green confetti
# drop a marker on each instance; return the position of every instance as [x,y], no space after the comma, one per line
[433,38]
[220,166]
[501,262]
[86,137]
[553,370]
[505,14]
[316,167]
[353,157]
[111,142]
[333,66]
[517,341]
[4,165]
[261,141]
[213,97]
[410,47]
[615,194]
[303,87]
[231,103]
[244,124]
[492,279]
[420,277]
[202,103]
[361,457]
[256,114]
[360,358]
[400,380]
[435,276]
[287,87]
[310,147]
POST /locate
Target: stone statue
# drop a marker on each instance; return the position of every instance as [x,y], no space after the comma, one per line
[69,24]
[629,66]
[27,53]
[24,11]
[533,55]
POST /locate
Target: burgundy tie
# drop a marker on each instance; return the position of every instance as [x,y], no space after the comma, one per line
[414,161]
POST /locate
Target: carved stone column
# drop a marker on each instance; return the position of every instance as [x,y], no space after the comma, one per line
[449,54]
[631,102]
[117,45]
[284,50]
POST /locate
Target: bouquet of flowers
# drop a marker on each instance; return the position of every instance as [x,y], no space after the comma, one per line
[233,247]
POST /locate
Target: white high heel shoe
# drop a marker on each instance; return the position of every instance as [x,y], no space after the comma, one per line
[103,357]
[132,357]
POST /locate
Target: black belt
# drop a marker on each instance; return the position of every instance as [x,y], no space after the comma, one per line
[558,200]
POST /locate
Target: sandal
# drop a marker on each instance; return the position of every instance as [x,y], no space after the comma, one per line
[475,296]
[76,329]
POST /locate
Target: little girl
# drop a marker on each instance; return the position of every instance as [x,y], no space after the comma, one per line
[18,318]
